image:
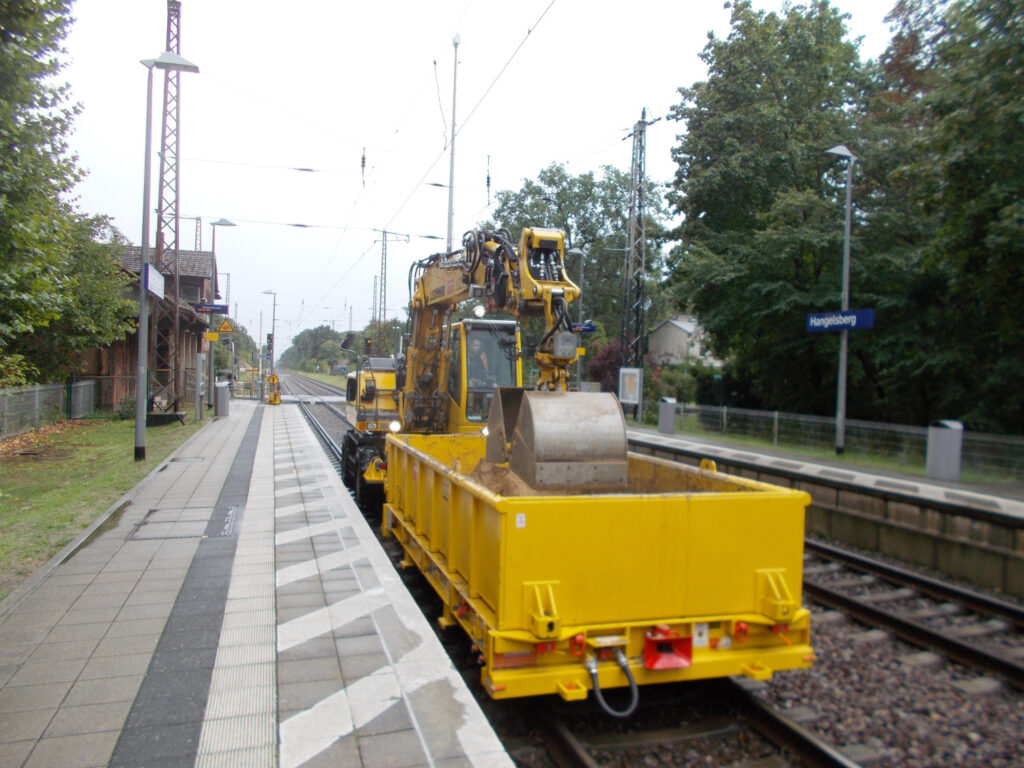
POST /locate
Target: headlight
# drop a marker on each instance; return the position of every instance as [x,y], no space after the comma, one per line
[485,431]
[395,426]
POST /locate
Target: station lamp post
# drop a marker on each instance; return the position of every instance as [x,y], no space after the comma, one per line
[273,329]
[213,249]
[840,150]
[165,61]
[451,148]
[579,302]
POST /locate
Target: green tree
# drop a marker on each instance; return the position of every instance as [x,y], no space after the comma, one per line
[36,170]
[594,214]
[330,351]
[941,192]
[93,308]
[306,347]
[762,235]
[973,160]
[905,361]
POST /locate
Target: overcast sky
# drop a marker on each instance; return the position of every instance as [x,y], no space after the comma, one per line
[312,83]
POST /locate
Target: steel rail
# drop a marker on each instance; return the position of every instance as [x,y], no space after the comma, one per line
[568,751]
[562,745]
[786,733]
[306,380]
[978,602]
[918,634]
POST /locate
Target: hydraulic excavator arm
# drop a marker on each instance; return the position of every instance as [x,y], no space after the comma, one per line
[526,281]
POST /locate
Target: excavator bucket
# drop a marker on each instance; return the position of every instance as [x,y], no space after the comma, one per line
[559,440]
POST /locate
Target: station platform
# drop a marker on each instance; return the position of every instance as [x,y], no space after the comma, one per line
[233,609]
[1008,499]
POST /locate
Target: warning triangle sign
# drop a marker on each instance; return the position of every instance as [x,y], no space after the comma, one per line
[225,327]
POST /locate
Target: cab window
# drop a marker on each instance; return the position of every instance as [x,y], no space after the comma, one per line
[455,371]
[490,363]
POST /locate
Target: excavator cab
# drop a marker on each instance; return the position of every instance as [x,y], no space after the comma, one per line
[484,355]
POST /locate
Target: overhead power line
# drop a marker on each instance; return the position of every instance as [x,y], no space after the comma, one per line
[476,106]
[300,169]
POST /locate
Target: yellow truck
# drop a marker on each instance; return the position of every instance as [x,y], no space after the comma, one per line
[371,407]
[576,566]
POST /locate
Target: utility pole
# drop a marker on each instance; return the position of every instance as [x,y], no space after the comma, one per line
[633,299]
[381,310]
[383,290]
[373,309]
[451,161]
[167,320]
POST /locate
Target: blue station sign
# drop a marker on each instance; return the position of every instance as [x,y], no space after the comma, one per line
[216,309]
[851,320]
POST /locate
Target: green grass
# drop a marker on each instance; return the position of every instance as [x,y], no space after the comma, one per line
[338,381]
[62,479]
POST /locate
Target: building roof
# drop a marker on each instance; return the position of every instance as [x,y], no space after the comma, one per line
[190,263]
[684,323]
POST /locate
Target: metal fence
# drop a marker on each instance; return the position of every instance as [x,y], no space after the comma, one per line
[904,444]
[25,408]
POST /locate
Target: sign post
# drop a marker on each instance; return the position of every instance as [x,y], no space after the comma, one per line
[844,321]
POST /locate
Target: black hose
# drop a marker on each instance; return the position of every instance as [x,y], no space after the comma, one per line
[623,662]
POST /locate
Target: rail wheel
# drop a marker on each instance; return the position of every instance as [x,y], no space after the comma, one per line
[349,461]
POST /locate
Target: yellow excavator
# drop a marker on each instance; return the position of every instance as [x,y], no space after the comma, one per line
[446,381]
[573,565]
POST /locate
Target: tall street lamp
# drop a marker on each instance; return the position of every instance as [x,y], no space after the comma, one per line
[213,250]
[214,225]
[840,150]
[451,149]
[165,61]
[273,329]
[579,369]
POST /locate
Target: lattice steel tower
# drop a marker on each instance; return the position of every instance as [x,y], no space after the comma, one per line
[168,364]
[633,300]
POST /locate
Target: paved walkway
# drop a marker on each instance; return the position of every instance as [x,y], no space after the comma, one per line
[233,609]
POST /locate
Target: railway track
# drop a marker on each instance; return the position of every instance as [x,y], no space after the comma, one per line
[327,421]
[717,722]
[968,626]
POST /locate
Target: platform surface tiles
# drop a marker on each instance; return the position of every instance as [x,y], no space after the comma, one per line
[234,609]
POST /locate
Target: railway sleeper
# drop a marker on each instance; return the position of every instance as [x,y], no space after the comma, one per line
[937,611]
[817,570]
[990,627]
[902,593]
[862,580]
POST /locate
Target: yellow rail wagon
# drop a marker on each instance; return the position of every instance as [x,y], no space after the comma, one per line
[666,573]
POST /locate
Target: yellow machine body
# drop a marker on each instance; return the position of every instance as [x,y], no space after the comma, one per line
[371,396]
[689,572]
[371,408]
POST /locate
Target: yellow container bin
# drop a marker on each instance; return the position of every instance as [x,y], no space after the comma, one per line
[689,573]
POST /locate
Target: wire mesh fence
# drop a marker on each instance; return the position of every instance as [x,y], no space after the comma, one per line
[25,408]
[903,444]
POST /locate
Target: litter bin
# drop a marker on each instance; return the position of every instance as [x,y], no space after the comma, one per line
[667,415]
[945,440]
[220,402]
